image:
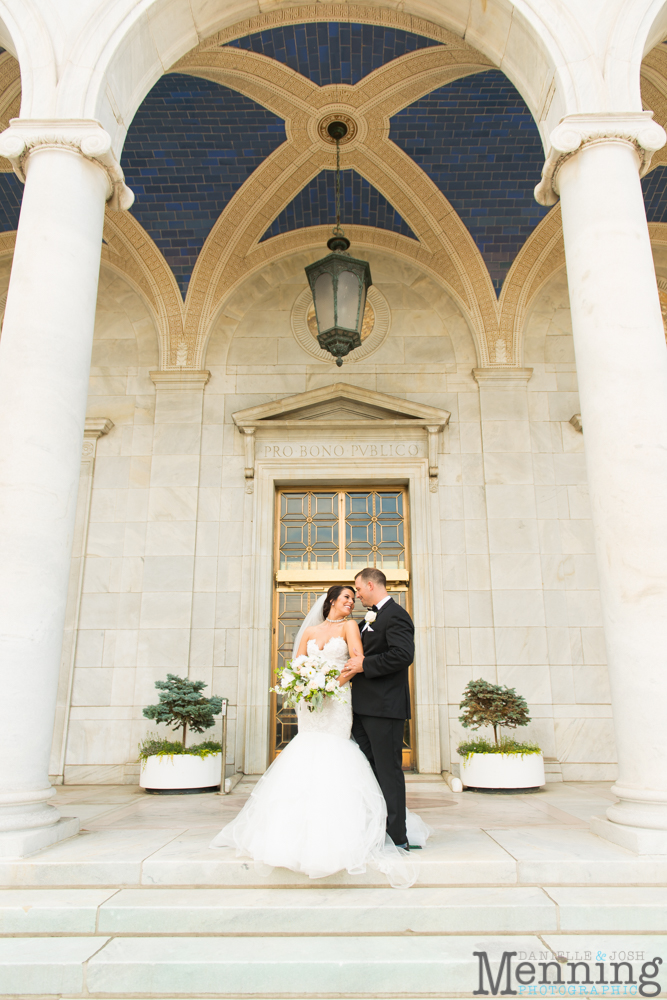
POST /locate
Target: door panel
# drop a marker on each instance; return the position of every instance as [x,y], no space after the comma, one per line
[332,533]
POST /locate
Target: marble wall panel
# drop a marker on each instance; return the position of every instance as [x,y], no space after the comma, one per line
[169,520]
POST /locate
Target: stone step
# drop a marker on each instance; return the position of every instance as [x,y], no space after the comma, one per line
[391,966]
[535,855]
[317,911]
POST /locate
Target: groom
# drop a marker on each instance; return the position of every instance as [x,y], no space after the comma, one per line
[380,692]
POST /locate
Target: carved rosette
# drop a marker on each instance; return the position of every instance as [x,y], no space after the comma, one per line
[576,131]
[83,136]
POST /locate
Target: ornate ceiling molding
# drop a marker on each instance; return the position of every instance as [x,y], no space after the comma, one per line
[540,257]
[654,94]
[10,99]
[354,13]
[129,250]
[233,249]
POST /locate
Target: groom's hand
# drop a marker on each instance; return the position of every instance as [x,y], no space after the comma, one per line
[355,665]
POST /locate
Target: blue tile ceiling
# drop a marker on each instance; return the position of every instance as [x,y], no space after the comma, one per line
[360,204]
[190,147]
[11,193]
[479,144]
[655,195]
[333,52]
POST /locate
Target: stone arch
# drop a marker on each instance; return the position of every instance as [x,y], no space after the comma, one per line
[125,327]
[547,330]
[542,254]
[554,76]
[130,251]
[638,28]
[25,35]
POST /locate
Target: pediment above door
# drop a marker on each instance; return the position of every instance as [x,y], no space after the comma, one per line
[340,422]
[340,405]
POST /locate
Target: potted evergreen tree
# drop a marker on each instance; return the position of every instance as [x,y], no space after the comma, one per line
[172,767]
[504,764]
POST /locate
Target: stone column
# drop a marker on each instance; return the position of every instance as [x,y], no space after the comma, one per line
[619,342]
[45,350]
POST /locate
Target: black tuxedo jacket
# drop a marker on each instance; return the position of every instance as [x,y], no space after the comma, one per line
[382,690]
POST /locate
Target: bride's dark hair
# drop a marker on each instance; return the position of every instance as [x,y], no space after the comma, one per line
[333,593]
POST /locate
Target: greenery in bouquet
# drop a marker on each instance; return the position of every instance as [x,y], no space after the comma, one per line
[308,679]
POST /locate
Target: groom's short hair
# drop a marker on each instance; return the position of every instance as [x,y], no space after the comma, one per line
[376,575]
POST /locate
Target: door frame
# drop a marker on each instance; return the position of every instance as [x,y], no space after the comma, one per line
[256,613]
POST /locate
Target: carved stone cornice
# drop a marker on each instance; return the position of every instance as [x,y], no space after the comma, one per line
[84,136]
[94,429]
[502,378]
[576,131]
[97,427]
[179,380]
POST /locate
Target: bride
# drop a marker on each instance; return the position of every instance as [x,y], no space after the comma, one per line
[318,809]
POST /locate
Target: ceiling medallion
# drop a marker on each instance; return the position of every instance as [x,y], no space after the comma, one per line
[375,329]
[325,135]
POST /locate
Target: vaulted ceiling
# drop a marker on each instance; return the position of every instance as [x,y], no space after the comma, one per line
[231,167]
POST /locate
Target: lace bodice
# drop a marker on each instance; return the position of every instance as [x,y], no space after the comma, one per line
[333,651]
[335,717]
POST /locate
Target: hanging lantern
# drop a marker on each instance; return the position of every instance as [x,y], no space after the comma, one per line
[339,282]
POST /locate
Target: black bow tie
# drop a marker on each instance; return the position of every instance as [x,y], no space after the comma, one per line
[374,608]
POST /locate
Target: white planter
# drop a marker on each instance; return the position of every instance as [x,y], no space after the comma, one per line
[182,772]
[503,770]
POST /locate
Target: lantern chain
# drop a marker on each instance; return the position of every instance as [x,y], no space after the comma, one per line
[337,229]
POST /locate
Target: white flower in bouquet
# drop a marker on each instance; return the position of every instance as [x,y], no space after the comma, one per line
[310,679]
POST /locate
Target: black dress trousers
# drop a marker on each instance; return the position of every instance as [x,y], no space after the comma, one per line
[381,740]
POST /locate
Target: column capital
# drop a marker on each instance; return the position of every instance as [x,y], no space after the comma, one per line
[81,135]
[575,131]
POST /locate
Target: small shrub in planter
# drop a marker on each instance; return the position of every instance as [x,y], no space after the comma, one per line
[506,763]
[171,766]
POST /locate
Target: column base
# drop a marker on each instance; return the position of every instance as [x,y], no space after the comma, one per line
[632,838]
[21,843]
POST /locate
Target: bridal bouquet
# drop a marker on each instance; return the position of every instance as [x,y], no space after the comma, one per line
[310,679]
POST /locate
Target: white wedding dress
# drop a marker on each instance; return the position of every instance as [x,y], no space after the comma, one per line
[318,809]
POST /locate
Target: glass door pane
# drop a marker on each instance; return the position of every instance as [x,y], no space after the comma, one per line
[325,530]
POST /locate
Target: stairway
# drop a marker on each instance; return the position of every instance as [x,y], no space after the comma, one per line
[305,942]
[138,906]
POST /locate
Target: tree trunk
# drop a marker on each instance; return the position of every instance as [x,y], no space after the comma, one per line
[185,726]
[495,733]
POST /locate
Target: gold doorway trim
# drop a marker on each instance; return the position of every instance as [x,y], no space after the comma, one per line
[322,537]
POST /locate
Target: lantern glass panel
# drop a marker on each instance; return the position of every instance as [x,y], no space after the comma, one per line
[348,300]
[324,302]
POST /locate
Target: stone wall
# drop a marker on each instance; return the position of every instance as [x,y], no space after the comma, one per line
[171,517]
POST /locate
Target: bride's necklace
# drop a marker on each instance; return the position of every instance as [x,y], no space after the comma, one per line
[338,621]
